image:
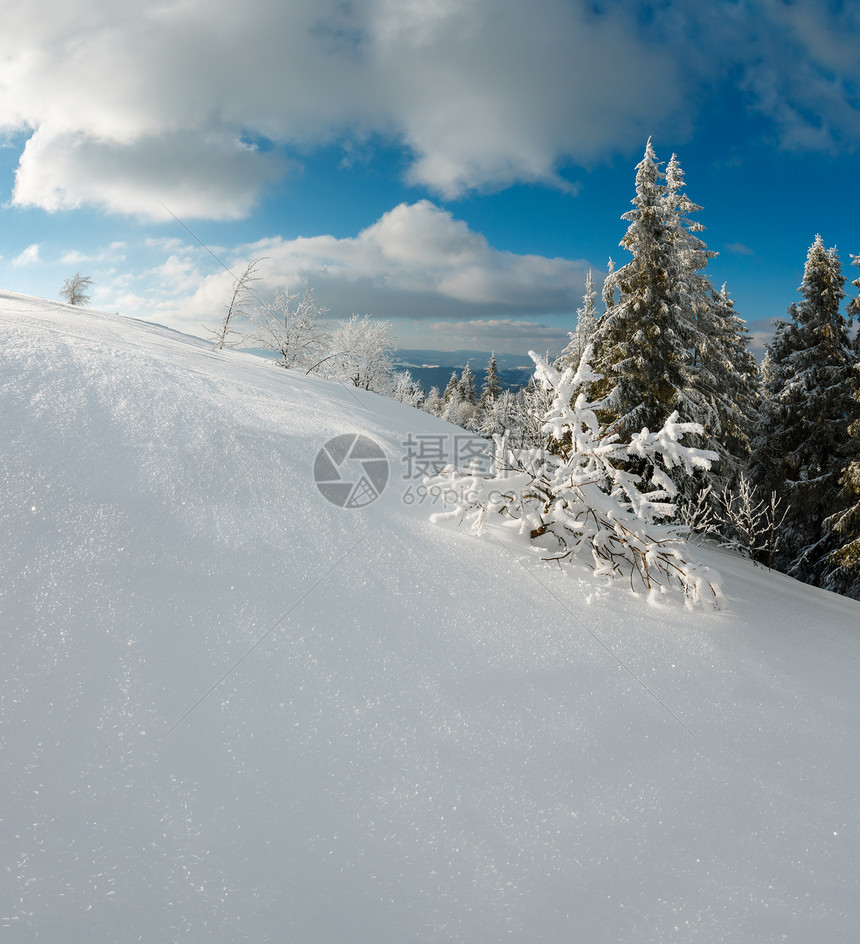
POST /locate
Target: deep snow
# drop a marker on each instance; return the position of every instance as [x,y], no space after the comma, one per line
[418,735]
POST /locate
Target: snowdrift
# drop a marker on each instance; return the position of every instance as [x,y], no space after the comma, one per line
[233,711]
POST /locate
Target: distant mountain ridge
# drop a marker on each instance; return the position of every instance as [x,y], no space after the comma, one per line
[432,368]
[421,357]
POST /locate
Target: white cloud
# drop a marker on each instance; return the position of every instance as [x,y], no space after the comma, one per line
[795,61]
[114,253]
[178,276]
[761,334]
[504,335]
[133,104]
[416,262]
[130,304]
[189,175]
[28,257]
[492,92]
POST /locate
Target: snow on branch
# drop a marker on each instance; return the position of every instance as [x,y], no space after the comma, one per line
[588,496]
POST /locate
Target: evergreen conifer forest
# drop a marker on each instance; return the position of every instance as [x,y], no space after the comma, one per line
[785,487]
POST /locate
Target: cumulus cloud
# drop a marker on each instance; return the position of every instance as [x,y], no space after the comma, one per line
[135,103]
[416,262]
[153,177]
[132,104]
[491,92]
[761,334]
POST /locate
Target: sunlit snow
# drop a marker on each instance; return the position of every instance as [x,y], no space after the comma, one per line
[233,711]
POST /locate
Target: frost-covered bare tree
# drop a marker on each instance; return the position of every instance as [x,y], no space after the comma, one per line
[75,289]
[237,307]
[291,325]
[405,389]
[361,351]
[751,523]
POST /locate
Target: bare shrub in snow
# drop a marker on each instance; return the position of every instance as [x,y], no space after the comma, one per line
[699,516]
[752,524]
[237,307]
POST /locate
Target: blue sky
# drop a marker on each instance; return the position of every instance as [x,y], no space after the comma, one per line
[455,166]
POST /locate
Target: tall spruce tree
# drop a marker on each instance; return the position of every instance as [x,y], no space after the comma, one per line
[725,378]
[769,446]
[843,574]
[722,375]
[643,340]
[668,341]
[843,565]
[808,408]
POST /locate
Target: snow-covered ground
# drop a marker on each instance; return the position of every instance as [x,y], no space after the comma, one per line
[232,711]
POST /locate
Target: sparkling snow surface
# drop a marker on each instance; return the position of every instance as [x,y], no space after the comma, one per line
[428,737]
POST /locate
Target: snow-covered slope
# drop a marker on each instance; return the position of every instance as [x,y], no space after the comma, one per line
[232,711]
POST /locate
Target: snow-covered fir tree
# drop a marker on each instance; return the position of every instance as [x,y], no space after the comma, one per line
[643,340]
[769,444]
[456,408]
[586,325]
[721,382]
[808,408]
[468,393]
[668,341]
[576,499]
[502,415]
[453,388]
[433,402]
[492,385]
[843,570]
[724,378]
